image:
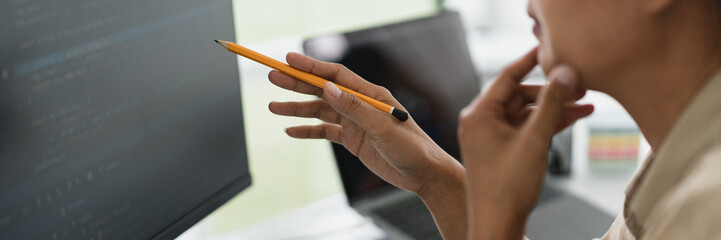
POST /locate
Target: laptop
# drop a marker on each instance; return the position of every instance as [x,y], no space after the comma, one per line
[426,65]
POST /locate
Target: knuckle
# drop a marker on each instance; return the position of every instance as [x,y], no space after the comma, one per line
[313,66]
[318,113]
[384,91]
[326,113]
[331,115]
[464,121]
[466,116]
[340,68]
[352,103]
[323,132]
[337,70]
[382,132]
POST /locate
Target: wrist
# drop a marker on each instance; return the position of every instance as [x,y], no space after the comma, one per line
[491,221]
[443,193]
[445,176]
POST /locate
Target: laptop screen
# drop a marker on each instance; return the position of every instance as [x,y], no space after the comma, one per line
[425,63]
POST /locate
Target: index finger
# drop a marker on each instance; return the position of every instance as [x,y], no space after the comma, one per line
[330,71]
[508,81]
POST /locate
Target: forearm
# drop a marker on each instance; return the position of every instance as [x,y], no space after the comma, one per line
[445,197]
[452,205]
[492,215]
[491,222]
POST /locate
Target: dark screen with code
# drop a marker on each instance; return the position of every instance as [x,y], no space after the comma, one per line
[118,119]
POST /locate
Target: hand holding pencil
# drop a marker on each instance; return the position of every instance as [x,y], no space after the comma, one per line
[308,77]
[399,152]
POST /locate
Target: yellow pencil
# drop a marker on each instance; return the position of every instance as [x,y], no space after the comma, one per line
[307,77]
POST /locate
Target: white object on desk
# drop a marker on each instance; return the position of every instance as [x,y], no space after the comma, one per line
[328,219]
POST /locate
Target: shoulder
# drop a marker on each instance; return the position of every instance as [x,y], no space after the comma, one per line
[692,209]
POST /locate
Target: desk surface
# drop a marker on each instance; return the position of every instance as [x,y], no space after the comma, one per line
[328,219]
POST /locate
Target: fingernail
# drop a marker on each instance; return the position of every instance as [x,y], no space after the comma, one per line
[334,91]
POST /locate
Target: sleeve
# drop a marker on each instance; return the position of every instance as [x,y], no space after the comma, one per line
[693,209]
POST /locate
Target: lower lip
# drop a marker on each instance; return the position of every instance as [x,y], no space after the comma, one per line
[536,29]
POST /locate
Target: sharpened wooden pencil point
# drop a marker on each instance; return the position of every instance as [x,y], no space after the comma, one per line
[222,43]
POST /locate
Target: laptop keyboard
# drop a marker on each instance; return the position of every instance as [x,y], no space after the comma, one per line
[412,217]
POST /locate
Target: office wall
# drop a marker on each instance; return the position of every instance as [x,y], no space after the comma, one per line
[505,16]
[269,19]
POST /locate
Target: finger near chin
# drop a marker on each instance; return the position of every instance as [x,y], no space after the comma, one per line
[332,132]
[580,93]
[530,92]
[573,114]
[520,116]
[508,82]
[519,69]
[290,83]
[579,111]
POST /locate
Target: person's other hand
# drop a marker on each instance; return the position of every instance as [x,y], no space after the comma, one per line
[399,152]
[504,136]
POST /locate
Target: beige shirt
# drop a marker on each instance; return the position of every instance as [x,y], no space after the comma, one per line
[677,192]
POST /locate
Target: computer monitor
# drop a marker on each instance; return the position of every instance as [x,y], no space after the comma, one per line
[426,65]
[119,119]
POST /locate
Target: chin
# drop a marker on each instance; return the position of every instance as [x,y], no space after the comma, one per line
[546,59]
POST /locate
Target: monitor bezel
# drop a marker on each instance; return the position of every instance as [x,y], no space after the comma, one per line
[222,196]
[204,209]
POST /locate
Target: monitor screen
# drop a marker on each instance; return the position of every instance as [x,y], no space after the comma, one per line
[425,64]
[119,119]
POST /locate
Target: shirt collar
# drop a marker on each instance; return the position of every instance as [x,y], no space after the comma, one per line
[691,134]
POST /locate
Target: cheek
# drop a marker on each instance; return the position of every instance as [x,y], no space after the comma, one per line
[595,37]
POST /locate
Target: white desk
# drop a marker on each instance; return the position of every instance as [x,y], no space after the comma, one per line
[327,219]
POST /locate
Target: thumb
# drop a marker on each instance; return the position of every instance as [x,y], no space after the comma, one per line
[549,115]
[352,107]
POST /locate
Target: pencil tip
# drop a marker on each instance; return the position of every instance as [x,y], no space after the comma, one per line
[222,43]
[216,41]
